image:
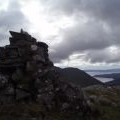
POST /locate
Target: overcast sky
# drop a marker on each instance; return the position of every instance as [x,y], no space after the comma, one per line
[80,33]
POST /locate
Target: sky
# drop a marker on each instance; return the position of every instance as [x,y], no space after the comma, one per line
[80,33]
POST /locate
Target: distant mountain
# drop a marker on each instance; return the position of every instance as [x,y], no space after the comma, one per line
[77,77]
[115,76]
[114,82]
[112,75]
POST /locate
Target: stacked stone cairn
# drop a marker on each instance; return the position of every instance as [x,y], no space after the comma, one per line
[27,74]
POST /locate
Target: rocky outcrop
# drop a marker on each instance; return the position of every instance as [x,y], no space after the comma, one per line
[27,74]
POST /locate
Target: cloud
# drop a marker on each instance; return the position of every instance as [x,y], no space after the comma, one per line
[93,35]
[105,10]
[94,30]
[11,19]
[107,55]
[82,37]
[64,6]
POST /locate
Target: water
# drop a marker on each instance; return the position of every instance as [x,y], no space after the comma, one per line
[101,78]
[104,79]
[100,73]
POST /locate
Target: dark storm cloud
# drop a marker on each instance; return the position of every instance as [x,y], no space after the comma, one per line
[103,55]
[99,32]
[65,6]
[106,10]
[101,9]
[93,36]
[11,19]
[85,37]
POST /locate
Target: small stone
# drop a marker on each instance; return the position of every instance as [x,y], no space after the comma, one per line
[34,47]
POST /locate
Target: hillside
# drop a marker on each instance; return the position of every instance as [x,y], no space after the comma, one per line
[77,77]
[106,99]
[114,82]
[31,88]
[104,102]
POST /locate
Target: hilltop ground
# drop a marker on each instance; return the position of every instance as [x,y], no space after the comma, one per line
[104,100]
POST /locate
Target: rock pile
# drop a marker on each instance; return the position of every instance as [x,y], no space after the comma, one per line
[27,74]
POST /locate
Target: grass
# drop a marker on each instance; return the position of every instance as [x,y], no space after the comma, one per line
[109,111]
[32,111]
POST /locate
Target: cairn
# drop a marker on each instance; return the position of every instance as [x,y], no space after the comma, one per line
[28,74]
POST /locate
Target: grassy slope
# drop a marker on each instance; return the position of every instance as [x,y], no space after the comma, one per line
[109,105]
[32,112]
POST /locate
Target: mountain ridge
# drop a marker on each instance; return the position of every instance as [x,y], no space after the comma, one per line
[77,76]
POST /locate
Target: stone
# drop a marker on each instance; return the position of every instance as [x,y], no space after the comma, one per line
[31,74]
